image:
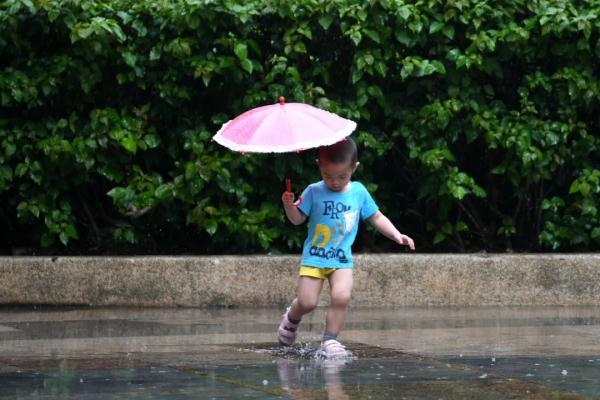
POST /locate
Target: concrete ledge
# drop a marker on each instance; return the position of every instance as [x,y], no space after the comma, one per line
[379,280]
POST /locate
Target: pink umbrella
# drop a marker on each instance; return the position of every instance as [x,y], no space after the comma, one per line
[282,128]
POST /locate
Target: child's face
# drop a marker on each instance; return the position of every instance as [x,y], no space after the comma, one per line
[336,176]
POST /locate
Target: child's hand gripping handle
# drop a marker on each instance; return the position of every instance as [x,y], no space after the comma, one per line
[288,187]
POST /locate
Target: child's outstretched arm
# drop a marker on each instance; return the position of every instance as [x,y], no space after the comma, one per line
[292,212]
[385,226]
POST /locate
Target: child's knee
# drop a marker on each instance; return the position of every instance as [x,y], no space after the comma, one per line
[341,297]
[307,304]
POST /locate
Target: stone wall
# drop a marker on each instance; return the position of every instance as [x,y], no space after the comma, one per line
[246,281]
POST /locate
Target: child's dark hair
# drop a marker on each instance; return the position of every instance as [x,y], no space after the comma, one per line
[340,152]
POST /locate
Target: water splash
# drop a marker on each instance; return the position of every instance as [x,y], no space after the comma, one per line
[301,350]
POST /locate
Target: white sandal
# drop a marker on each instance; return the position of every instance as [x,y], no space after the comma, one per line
[333,349]
[287,331]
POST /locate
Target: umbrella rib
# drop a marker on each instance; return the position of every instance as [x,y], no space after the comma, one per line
[262,121]
[288,124]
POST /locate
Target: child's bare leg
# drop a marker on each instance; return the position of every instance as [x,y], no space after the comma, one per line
[340,282]
[309,289]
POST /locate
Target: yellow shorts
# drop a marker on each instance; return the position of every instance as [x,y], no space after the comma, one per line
[321,273]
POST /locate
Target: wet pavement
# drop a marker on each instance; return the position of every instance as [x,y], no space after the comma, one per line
[403,353]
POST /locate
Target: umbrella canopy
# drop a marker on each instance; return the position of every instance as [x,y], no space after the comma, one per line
[282,128]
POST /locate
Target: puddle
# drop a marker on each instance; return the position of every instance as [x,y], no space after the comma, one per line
[573,374]
[408,353]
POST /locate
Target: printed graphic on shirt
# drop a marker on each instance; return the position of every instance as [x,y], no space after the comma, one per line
[326,234]
[321,239]
[350,219]
[333,209]
[339,232]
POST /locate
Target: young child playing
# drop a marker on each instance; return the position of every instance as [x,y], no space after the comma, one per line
[332,207]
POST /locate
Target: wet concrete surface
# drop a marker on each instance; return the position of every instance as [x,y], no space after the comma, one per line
[400,353]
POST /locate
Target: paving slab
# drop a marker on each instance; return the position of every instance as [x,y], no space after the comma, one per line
[399,353]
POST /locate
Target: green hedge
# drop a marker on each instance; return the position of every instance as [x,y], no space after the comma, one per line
[478,121]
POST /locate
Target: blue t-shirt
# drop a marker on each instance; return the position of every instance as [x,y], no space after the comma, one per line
[333,223]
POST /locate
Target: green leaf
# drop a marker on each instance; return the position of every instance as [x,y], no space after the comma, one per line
[151,140]
[211,226]
[404,12]
[373,35]
[447,228]
[118,193]
[448,31]
[403,37]
[71,231]
[461,226]
[129,235]
[305,31]
[163,191]
[584,189]
[64,238]
[241,50]
[325,21]
[574,187]
[155,54]
[459,192]
[439,237]
[9,149]
[435,27]
[130,58]
[453,91]
[381,68]
[299,47]
[356,37]
[356,75]
[130,144]
[5,173]
[46,239]
[246,65]
[111,172]
[439,67]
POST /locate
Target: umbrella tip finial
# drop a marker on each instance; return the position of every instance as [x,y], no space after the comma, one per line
[281,100]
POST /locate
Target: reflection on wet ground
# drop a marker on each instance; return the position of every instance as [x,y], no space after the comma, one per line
[405,353]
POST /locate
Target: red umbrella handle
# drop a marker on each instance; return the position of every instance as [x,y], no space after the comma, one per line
[288,187]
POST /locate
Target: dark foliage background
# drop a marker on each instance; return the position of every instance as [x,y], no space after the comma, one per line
[478,121]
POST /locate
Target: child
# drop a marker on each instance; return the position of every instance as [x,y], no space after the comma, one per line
[332,207]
